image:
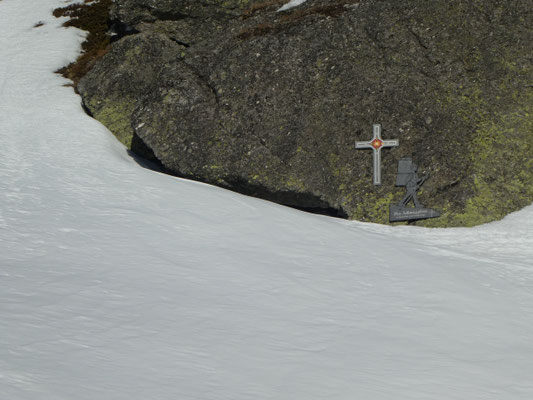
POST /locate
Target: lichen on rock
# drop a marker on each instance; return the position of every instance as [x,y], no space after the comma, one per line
[270,104]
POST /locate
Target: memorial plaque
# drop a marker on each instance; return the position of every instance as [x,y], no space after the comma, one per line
[408,178]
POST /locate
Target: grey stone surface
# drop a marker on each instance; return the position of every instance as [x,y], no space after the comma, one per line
[270,104]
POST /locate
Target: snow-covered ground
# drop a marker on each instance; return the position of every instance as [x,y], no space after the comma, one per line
[117,282]
[291,4]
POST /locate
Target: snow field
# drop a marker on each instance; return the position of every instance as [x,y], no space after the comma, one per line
[117,282]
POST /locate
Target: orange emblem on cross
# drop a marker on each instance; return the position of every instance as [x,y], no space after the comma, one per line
[376,143]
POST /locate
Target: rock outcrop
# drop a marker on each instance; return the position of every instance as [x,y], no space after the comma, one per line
[270,104]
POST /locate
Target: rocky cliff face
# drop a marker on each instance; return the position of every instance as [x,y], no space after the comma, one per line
[270,104]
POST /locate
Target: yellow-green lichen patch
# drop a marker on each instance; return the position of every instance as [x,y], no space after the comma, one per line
[502,155]
[295,183]
[116,116]
[374,207]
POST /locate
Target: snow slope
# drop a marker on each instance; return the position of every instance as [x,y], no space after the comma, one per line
[291,4]
[117,282]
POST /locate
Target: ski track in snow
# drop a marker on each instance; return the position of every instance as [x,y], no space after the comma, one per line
[121,283]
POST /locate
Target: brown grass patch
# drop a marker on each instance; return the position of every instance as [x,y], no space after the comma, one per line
[90,16]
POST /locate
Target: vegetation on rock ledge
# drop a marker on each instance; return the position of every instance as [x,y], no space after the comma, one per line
[92,17]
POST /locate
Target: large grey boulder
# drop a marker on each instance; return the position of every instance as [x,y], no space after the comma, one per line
[270,104]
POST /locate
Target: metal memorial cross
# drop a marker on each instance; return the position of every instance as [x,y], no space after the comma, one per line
[376,144]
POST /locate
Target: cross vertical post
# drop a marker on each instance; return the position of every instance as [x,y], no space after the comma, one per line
[376,144]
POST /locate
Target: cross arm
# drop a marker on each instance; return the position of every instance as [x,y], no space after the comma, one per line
[363,145]
[391,143]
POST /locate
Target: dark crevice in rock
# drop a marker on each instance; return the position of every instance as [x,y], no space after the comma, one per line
[119,30]
[139,147]
[86,109]
[329,211]
[213,89]
[301,201]
[153,165]
[181,43]
[207,82]
[418,38]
